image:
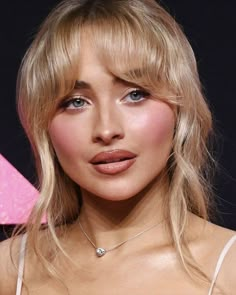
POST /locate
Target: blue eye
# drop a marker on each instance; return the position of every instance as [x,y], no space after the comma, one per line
[74,103]
[136,96]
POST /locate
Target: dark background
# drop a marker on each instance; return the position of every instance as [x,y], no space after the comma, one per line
[210,27]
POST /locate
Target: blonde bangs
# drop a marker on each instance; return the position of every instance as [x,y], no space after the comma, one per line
[132,52]
[48,72]
[130,45]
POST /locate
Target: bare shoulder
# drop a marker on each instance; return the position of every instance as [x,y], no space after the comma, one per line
[9,253]
[212,242]
[227,254]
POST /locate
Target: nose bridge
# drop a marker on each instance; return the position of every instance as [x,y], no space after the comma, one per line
[108,122]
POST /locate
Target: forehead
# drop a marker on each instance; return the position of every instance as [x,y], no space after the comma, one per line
[93,60]
[115,50]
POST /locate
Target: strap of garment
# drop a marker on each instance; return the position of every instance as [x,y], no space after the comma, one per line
[21,265]
[220,261]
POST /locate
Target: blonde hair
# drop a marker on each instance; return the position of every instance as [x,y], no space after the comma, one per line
[139,42]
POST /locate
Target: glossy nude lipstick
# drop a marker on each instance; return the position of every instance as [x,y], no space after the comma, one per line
[113,162]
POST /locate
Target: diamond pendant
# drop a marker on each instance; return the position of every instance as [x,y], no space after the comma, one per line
[100,252]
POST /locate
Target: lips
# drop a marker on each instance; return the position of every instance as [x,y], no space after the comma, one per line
[113,162]
[112,156]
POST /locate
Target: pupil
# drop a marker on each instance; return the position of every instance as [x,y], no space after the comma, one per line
[78,103]
[135,95]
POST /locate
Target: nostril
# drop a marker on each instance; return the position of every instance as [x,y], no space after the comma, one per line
[107,136]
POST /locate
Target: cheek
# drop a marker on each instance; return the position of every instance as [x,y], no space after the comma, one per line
[155,124]
[64,134]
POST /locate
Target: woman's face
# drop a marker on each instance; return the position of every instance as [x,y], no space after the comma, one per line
[111,137]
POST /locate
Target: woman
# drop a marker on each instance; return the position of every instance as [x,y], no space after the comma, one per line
[110,99]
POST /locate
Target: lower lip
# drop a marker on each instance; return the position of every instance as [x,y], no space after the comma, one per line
[114,168]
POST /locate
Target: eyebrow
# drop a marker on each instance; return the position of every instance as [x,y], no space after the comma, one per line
[79,84]
[82,85]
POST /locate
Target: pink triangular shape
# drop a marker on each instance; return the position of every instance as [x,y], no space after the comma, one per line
[17,194]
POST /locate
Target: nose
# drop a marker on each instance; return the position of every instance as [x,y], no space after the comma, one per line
[108,126]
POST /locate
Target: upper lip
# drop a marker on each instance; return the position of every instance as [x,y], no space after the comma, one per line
[112,156]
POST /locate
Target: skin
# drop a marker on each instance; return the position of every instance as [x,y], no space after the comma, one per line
[110,119]
[117,207]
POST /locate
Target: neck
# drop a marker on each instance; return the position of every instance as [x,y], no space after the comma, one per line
[110,222]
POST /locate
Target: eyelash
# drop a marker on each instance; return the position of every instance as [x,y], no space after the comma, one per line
[144,94]
[66,104]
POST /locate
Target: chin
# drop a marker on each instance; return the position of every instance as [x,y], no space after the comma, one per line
[114,195]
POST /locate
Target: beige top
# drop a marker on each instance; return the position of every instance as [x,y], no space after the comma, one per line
[217,269]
